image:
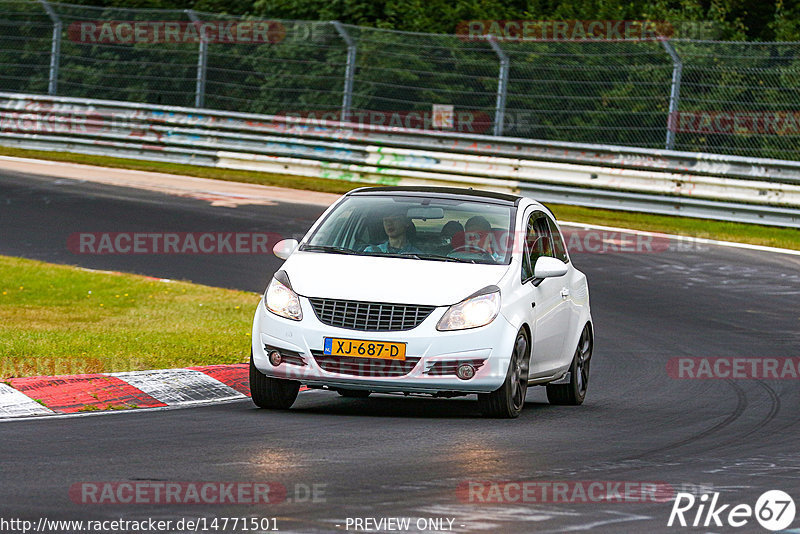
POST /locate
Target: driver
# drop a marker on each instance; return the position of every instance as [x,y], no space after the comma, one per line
[396,224]
[478,233]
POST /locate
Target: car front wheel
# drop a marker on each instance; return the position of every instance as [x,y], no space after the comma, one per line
[268,392]
[507,402]
[574,392]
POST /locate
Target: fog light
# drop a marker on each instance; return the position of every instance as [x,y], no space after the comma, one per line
[275,358]
[465,371]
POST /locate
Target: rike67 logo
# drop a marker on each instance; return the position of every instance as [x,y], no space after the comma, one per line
[774,510]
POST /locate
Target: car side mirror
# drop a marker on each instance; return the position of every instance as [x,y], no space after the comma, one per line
[283,249]
[547,267]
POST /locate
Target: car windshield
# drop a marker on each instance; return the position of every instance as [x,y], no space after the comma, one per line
[420,228]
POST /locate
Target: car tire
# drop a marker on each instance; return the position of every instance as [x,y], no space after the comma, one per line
[508,401]
[354,393]
[573,393]
[272,393]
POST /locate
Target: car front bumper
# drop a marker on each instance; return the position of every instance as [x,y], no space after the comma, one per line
[492,344]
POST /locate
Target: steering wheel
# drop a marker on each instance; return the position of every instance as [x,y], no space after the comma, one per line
[471,249]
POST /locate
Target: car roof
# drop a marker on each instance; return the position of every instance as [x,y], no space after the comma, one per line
[442,192]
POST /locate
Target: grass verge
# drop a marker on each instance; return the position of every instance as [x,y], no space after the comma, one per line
[724,231]
[230,175]
[57,319]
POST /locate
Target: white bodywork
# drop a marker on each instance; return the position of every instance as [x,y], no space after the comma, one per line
[554,310]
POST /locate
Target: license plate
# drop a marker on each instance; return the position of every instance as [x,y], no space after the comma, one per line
[359,348]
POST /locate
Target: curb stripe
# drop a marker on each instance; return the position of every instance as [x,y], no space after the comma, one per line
[179,386]
[235,376]
[16,404]
[70,394]
[93,394]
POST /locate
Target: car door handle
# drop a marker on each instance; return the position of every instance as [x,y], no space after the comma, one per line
[564,292]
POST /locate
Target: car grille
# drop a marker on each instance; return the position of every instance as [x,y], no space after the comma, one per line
[449,367]
[369,316]
[373,367]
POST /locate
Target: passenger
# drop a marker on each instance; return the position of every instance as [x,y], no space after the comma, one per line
[396,225]
[448,231]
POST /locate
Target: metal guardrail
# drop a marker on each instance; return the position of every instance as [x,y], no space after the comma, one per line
[657,181]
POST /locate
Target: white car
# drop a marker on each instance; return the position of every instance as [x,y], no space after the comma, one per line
[425,290]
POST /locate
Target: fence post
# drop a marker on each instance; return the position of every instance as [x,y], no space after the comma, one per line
[502,85]
[55,48]
[349,70]
[202,61]
[674,93]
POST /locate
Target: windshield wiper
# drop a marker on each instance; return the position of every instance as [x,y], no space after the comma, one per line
[419,256]
[393,255]
[459,260]
[328,248]
[438,257]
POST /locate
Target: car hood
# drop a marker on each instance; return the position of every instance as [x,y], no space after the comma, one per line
[377,279]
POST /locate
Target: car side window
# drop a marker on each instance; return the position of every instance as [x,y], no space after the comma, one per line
[537,242]
[527,270]
[559,248]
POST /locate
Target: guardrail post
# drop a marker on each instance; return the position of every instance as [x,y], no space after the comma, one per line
[349,70]
[674,93]
[55,48]
[202,61]
[502,85]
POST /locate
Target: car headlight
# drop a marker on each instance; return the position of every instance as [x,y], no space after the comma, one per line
[472,312]
[281,300]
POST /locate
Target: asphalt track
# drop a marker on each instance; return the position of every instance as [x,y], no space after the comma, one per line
[391,456]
